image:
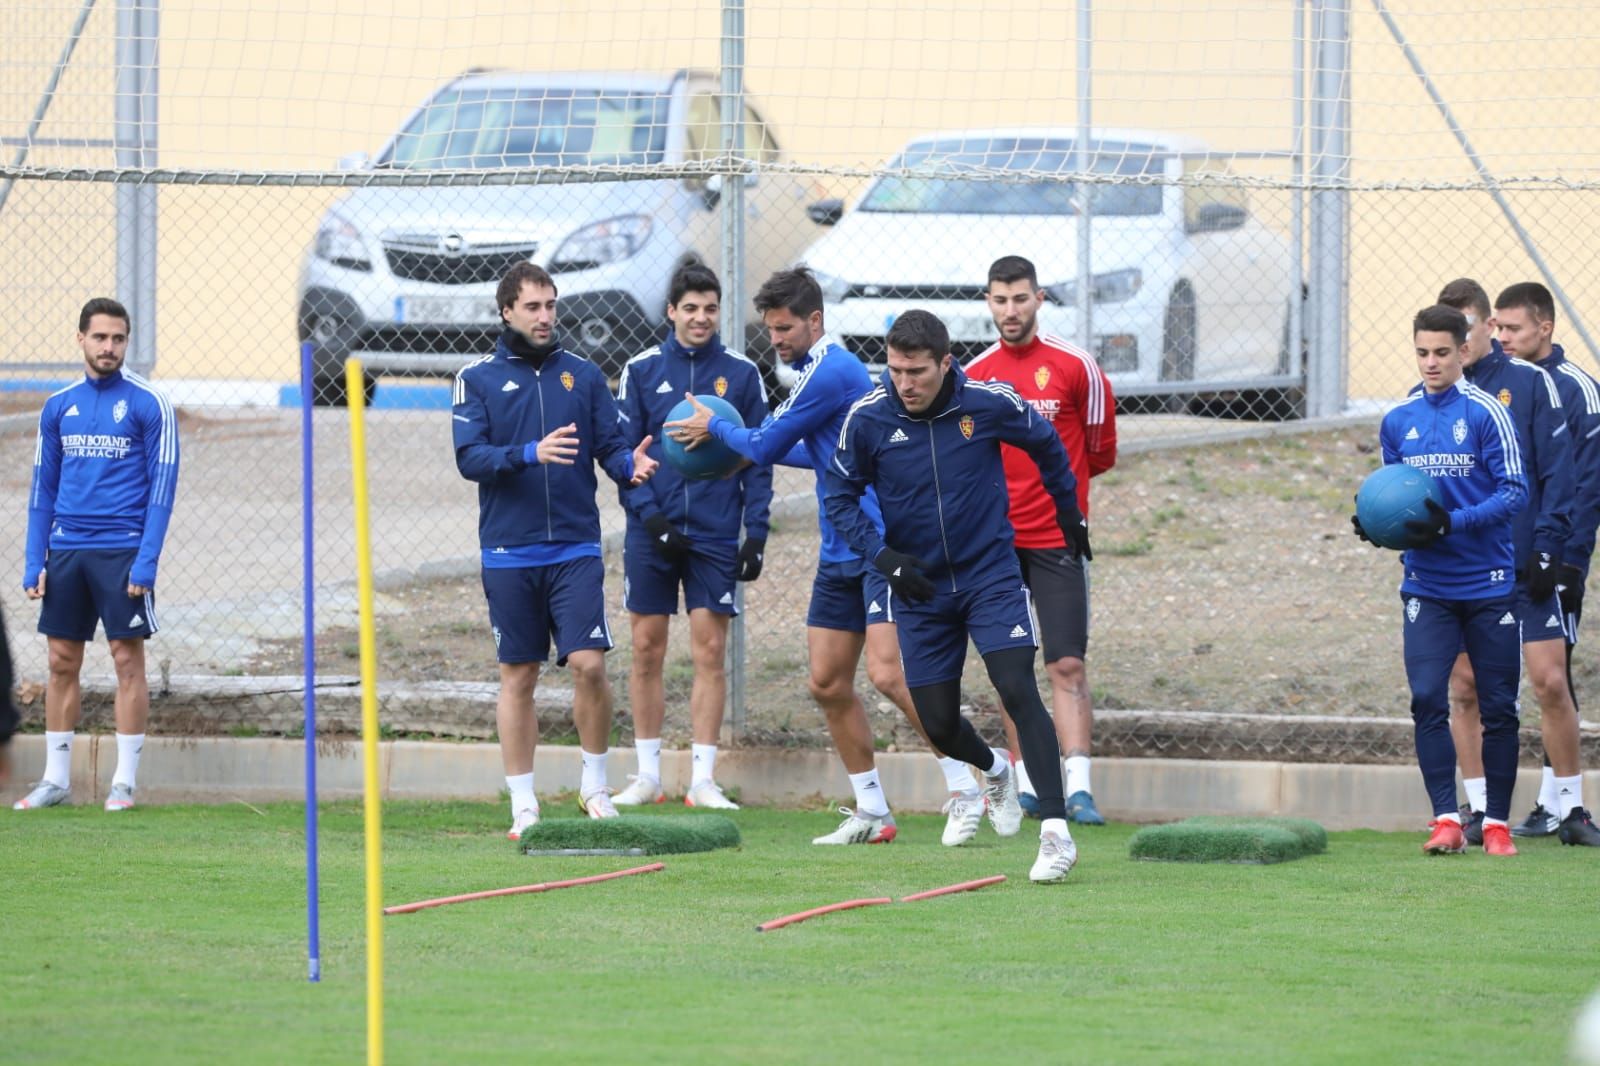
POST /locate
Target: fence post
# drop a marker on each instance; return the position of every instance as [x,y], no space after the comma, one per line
[1084,193]
[733,289]
[1327,382]
[135,137]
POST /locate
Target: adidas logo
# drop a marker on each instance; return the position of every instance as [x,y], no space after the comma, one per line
[1553,623]
[510,386]
[876,608]
[1507,620]
[1412,434]
[665,387]
[1018,631]
[498,551]
[896,572]
[727,597]
[898,437]
[664,537]
[596,633]
[71,411]
[137,620]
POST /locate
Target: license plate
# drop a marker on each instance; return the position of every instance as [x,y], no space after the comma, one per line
[446,310]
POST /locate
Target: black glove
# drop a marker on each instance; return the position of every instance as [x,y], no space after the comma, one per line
[1571,582]
[1075,528]
[666,539]
[1356,522]
[751,554]
[1422,533]
[1542,573]
[905,576]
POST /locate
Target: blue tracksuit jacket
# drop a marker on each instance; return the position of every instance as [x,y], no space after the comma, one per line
[941,480]
[653,383]
[831,379]
[501,403]
[105,472]
[1464,438]
[1580,404]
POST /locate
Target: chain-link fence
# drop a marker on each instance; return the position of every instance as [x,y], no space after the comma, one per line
[1235,207]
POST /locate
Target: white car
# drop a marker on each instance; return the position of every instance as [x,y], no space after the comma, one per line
[1191,291]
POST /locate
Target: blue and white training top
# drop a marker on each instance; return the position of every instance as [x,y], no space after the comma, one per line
[1464,439]
[105,472]
[831,380]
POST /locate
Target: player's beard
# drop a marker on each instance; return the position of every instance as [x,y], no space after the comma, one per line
[1022,331]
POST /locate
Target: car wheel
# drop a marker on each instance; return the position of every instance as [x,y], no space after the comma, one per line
[602,340]
[1178,343]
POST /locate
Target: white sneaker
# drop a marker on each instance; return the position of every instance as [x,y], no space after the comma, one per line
[965,811]
[44,794]
[642,789]
[1056,858]
[708,794]
[121,798]
[597,804]
[861,828]
[524,818]
[1005,811]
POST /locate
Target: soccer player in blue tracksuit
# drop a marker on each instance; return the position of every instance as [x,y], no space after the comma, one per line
[105,471]
[850,607]
[928,440]
[1459,572]
[1539,533]
[531,420]
[1525,318]
[684,532]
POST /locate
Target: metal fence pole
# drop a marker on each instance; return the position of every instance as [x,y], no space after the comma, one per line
[43,105]
[733,290]
[1297,200]
[1326,375]
[137,117]
[1084,191]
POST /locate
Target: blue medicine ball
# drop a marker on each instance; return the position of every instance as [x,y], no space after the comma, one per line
[711,460]
[1392,496]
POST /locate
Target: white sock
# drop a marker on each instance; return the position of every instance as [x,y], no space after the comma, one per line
[649,757]
[58,759]
[957,775]
[703,763]
[129,745]
[1024,782]
[1077,776]
[1547,790]
[522,798]
[1569,794]
[1477,792]
[1487,822]
[594,774]
[1456,818]
[1058,826]
[1002,760]
[869,793]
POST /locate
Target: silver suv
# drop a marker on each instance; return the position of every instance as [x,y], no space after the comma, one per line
[405,277]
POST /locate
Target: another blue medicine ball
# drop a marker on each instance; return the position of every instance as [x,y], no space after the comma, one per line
[711,460]
[1392,496]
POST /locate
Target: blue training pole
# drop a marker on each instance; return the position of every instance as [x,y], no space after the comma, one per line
[307,388]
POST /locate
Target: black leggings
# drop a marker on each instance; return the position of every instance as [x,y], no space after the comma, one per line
[1011,672]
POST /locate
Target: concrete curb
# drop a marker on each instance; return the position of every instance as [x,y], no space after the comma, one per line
[227,770]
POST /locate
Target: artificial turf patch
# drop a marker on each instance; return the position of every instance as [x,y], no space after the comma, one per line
[662,834]
[1214,839]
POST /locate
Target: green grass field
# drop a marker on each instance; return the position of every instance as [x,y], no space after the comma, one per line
[177,934]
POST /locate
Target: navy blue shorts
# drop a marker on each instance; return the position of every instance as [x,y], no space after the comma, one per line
[1542,621]
[650,582]
[997,614]
[88,585]
[850,596]
[529,605]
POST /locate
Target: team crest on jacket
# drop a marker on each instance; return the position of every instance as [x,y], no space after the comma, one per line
[1041,377]
[721,386]
[1413,605]
[966,426]
[1459,430]
[120,411]
[1505,397]
[566,380]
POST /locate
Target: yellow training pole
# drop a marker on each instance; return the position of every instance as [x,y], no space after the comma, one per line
[371,806]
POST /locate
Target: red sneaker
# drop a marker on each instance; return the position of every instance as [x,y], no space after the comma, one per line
[1497,841]
[1447,839]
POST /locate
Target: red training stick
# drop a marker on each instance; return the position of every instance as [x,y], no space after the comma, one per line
[790,919]
[407,908]
[965,886]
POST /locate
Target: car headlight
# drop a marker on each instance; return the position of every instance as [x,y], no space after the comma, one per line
[1109,288]
[603,243]
[834,290]
[340,243]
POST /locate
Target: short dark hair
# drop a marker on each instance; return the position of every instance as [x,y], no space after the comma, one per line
[1532,296]
[1441,319]
[692,277]
[1465,294]
[794,290]
[1010,268]
[523,273]
[919,331]
[103,305]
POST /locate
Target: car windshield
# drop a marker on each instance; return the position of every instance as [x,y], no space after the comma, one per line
[532,127]
[957,195]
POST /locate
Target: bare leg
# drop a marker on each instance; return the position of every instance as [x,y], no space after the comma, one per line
[514,717]
[133,691]
[645,690]
[708,643]
[1546,664]
[591,699]
[834,655]
[1070,702]
[886,675]
[63,695]
[1466,728]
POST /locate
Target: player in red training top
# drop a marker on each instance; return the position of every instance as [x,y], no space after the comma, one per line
[1068,390]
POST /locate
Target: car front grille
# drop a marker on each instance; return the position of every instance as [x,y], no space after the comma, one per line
[439,340]
[916,292]
[472,267]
